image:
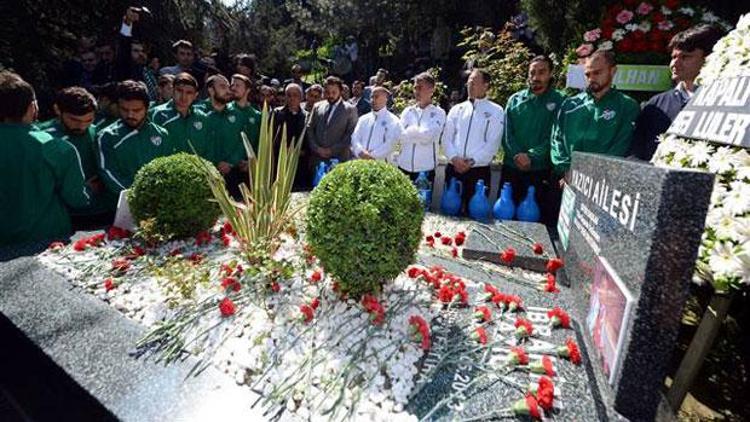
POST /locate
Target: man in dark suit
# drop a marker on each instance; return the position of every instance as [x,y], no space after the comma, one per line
[330,127]
[358,100]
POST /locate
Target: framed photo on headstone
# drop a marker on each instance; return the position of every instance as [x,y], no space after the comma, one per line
[609,317]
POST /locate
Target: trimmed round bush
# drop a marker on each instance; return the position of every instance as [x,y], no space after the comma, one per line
[364,223]
[173,193]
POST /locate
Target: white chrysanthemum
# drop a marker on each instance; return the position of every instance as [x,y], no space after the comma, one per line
[631,27]
[606,45]
[687,11]
[737,199]
[644,26]
[723,223]
[709,17]
[742,164]
[724,261]
[618,34]
[699,153]
[743,256]
[722,161]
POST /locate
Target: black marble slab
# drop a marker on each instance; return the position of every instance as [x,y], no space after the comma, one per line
[485,242]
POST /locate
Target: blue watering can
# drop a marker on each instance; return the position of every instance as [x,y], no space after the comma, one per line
[504,208]
[528,210]
[479,205]
[450,203]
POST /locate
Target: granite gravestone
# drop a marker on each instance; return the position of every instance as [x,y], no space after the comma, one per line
[486,242]
[630,234]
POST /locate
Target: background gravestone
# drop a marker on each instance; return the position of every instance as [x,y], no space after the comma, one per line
[630,233]
[486,242]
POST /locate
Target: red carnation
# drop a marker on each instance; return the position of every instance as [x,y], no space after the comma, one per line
[489,291]
[482,314]
[109,284]
[420,331]
[445,294]
[175,252]
[80,245]
[508,255]
[545,393]
[438,235]
[551,285]
[56,246]
[117,233]
[195,258]
[120,265]
[231,283]
[316,276]
[554,264]
[275,287]
[480,335]
[559,318]
[227,228]
[543,366]
[226,240]
[315,303]
[570,351]
[136,252]
[672,4]
[307,313]
[538,248]
[459,239]
[499,300]
[202,238]
[524,328]
[374,308]
[527,406]
[226,307]
[518,356]
[414,272]
[454,252]
[513,302]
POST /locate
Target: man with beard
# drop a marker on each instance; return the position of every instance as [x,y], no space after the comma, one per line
[599,120]
[293,118]
[689,50]
[241,91]
[75,108]
[106,98]
[131,142]
[358,100]
[530,114]
[330,127]
[225,128]
[39,175]
[187,127]
[312,96]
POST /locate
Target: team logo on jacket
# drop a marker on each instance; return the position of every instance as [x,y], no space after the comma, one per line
[608,114]
[231,119]
[487,114]
[432,115]
[383,124]
[156,140]
[198,125]
[251,120]
[551,106]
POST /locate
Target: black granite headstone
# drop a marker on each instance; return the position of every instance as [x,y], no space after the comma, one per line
[630,234]
[486,242]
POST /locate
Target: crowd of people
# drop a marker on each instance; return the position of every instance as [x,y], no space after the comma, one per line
[68,172]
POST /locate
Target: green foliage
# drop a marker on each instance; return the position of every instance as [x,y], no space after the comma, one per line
[506,58]
[559,24]
[179,278]
[364,224]
[172,191]
[404,92]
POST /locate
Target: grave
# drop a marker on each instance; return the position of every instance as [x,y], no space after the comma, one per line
[485,241]
[629,235]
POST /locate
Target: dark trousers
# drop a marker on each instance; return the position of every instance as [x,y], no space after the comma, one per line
[548,194]
[469,180]
[233,179]
[413,176]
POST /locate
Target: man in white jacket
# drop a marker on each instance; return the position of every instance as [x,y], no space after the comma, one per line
[472,134]
[423,124]
[377,131]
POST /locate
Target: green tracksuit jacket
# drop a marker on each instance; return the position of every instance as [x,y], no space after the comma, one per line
[184,131]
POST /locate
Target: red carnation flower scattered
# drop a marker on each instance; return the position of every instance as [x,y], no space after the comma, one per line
[374,308]
[527,406]
[226,240]
[227,307]
[80,245]
[120,265]
[508,255]
[202,238]
[307,313]
[570,351]
[446,240]
[554,264]
[175,252]
[438,235]
[454,252]
[315,303]
[489,292]
[545,393]
[316,276]
[559,318]
[538,248]
[415,271]
[524,328]
[231,283]
[227,228]
[117,233]
[56,246]
[518,356]
[513,302]
[480,335]
[109,284]
[275,287]
[543,366]
[551,285]
[196,258]
[482,314]
[430,241]
[420,331]
[459,238]
[135,252]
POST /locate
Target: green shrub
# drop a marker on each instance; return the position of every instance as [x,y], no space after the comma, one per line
[173,193]
[364,223]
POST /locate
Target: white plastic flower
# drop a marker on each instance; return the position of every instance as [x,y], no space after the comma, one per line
[700,153]
[724,261]
[618,34]
[722,161]
[606,45]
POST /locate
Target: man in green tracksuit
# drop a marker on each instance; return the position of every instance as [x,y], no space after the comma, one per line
[600,120]
[225,128]
[530,114]
[241,90]
[131,142]
[76,110]
[187,126]
[39,175]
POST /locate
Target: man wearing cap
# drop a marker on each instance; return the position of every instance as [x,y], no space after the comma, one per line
[377,131]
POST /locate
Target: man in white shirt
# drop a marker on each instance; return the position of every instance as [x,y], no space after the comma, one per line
[377,131]
[472,135]
[423,124]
